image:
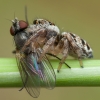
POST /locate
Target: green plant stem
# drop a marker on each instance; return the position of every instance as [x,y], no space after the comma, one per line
[76,76]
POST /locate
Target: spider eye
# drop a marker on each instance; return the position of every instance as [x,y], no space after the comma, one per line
[35,22]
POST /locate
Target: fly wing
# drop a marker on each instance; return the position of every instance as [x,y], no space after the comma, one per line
[29,74]
[48,74]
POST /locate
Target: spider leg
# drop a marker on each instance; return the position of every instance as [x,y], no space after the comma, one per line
[61,62]
[46,48]
[58,58]
[80,62]
[64,41]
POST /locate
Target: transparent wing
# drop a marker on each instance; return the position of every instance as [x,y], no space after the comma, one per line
[48,74]
[32,73]
[29,74]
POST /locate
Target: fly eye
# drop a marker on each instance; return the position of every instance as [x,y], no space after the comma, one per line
[17,26]
[12,32]
[23,24]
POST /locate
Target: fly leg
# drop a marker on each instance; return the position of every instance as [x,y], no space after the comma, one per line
[24,84]
[20,56]
[26,78]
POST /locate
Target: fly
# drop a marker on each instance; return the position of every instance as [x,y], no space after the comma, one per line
[29,40]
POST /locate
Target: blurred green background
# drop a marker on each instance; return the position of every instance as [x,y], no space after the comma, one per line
[81,17]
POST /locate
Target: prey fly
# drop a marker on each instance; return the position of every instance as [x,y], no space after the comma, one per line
[29,40]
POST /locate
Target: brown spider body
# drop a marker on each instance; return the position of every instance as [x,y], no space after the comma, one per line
[66,44]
